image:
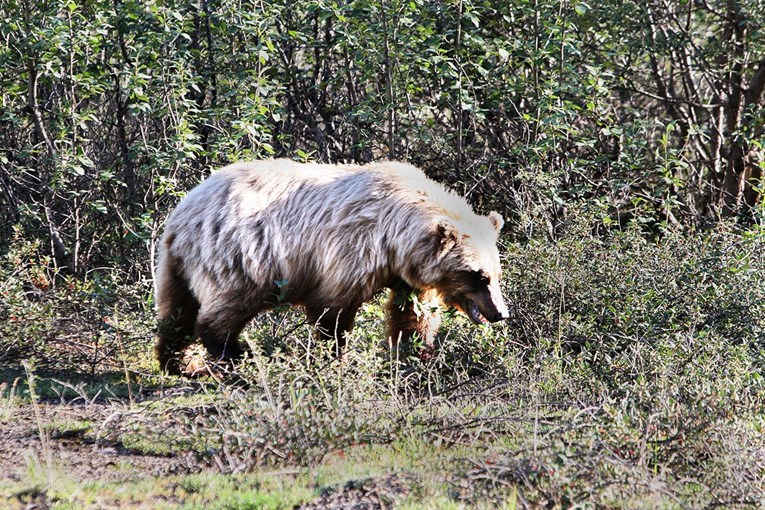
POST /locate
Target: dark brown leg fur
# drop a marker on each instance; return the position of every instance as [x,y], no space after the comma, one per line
[333,323]
[219,329]
[177,314]
[404,323]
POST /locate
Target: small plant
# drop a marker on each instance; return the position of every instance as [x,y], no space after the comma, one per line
[67,429]
[9,399]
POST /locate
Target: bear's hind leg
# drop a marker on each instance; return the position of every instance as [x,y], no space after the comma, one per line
[177,313]
[333,323]
[219,327]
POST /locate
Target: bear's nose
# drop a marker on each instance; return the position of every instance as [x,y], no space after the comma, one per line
[502,315]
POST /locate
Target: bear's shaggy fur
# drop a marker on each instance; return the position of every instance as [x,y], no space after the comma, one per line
[324,237]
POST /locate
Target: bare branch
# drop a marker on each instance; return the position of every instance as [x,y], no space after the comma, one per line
[674,100]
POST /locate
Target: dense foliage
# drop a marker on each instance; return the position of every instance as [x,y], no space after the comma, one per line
[111,109]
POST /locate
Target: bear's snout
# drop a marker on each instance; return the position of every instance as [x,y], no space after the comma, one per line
[496,310]
[500,316]
[486,306]
[502,313]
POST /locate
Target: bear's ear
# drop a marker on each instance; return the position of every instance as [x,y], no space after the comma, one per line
[446,238]
[496,220]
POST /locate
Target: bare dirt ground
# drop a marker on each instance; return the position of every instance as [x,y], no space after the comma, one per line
[368,494]
[47,432]
[74,453]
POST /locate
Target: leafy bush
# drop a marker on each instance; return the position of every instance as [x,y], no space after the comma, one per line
[67,324]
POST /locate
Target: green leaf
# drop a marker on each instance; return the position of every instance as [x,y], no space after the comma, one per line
[473,18]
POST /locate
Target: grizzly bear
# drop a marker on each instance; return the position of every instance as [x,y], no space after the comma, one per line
[324,237]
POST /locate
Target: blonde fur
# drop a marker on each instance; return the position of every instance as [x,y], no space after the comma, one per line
[333,235]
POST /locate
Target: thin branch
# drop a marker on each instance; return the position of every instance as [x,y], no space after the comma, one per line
[673,100]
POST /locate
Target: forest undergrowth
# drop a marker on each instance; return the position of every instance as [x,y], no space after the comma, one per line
[630,377]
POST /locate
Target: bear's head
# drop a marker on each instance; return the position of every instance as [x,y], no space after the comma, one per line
[466,272]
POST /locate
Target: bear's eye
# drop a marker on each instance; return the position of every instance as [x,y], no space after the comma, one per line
[478,277]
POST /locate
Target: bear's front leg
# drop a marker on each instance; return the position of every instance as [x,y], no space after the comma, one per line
[413,314]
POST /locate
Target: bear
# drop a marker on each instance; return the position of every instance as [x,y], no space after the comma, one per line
[324,237]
